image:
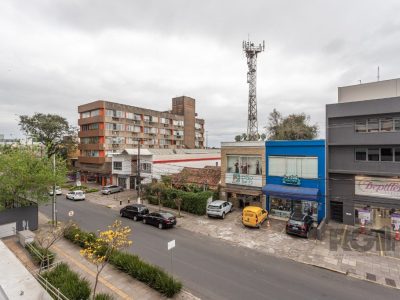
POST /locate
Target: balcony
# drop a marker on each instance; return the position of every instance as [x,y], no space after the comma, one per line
[90,120]
[91,160]
[90,133]
[91,147]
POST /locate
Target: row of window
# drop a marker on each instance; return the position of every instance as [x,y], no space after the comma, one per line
[148,130]
[378,154]
[90,140]
[91,113]
[138,117]
[87,127]
[302,167]
[250,165]
[378,125]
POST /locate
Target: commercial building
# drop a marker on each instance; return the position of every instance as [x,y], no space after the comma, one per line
[107,128]
[157,162]
[243,173]
[295,178]
[363,155]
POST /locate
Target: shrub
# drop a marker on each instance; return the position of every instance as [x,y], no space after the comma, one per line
[78,236]
[103,296]
[70,283]
[154,276]
[40,260]
[131,264]
[91,190]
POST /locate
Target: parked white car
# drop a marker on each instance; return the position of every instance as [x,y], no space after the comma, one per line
[58,191]
[76,195]
[219,208]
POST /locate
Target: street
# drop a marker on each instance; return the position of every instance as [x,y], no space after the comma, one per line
[213,269]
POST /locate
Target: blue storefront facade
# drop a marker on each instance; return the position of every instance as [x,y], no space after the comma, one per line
[295,180]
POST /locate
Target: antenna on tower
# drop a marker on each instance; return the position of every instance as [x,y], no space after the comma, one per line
[251,53]
[378,74]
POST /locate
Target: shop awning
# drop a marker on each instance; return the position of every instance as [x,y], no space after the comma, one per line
[291,192]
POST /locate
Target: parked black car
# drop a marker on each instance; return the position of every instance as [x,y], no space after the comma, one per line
[134,211]
[161,219]
[299,224]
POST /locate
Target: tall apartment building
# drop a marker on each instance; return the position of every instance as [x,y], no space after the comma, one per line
[108,127]
[363,155]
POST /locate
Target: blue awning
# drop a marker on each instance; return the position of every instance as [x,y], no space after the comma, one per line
[291,192]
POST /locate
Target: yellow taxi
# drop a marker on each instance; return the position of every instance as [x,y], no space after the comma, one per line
[253,216]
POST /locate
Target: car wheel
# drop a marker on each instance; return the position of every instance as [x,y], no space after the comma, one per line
[160,226]
[122,214]
[223,215]
[135,218]
[144,221]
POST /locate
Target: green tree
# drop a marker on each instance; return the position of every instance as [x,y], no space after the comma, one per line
[49,129]
[24,175]
[292,127]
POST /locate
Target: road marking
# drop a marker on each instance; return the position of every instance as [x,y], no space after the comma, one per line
[380,245]
[344,236]
[108,284]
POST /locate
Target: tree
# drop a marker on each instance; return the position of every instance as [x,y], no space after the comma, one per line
[243,137]
[48,236]
[158,189]
[48,129]
[178,202]
[292,127]
[25,176]
[102,248]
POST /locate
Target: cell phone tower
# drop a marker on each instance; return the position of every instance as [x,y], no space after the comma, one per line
[251,53]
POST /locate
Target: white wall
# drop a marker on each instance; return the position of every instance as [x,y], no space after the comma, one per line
[126,164]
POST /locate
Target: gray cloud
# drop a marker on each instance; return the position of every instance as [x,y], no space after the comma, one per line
[55,55]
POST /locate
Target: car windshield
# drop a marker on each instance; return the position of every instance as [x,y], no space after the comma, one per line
[297,217]
[79,193]
[166,215]
[214,206]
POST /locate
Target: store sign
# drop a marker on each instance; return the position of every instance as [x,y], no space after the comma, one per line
[243,179]
[395,220]
[364,216]
[291,180]
[377,187]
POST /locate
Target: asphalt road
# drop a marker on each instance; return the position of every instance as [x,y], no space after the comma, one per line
[214,269]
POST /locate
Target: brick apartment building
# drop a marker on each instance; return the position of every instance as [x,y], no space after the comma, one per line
[109,127]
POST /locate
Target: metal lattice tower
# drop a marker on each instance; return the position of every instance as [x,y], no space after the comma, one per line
[251,54]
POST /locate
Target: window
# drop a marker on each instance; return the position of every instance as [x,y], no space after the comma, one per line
[137,129]
[161,130]
[90,127]
[146,118]
[244,164]
[396,154]
[386,124]
[303,167]
[109,126]
[361,126]
[137,117]
[397,124]
[129,115]
[361,154]
[154,119]
[386,154]
[146,129]
[146,167]
[90,140]
[91,153]
[94,113]
[373,154]
[373,125]
[109,113]
[85,114]
[164,120]
[117,165]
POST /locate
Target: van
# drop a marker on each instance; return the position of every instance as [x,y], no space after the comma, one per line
[253,216]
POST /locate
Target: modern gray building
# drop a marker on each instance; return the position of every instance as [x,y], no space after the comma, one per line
[363,155]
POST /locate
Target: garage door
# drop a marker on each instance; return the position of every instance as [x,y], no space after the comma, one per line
[8,229]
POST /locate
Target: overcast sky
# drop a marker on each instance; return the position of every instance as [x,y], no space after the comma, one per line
[56,55]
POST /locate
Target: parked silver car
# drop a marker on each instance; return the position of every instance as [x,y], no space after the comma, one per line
[219,208]
[109,189]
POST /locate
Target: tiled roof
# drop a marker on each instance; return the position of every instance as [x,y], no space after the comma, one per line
[209,175]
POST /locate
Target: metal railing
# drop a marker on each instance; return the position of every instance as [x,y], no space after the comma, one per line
[51,289]
[43,258]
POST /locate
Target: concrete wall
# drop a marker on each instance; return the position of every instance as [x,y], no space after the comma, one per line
[368,91]
[27,216]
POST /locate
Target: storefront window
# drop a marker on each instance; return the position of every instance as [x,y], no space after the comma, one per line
[283,208]
[376,218]
[250,165]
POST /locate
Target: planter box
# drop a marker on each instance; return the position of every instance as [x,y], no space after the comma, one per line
[26,237]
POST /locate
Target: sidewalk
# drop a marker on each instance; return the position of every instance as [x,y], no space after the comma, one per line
[340,252]
[111,280]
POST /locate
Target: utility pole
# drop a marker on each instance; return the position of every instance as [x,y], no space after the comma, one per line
[138,171]
[251,53]
[54,215]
